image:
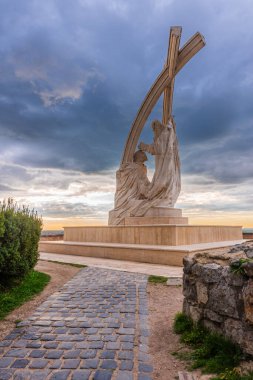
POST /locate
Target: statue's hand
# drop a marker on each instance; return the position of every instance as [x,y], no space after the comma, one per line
[141,146]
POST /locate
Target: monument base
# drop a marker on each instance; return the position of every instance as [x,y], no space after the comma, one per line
[157,244]
[154,216]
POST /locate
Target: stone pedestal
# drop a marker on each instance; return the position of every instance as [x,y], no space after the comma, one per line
[156,216]
[159,244]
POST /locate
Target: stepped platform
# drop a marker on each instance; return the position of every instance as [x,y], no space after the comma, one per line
[156,244]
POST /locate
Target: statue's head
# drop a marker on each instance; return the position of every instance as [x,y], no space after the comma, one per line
[140,156]
[157,127]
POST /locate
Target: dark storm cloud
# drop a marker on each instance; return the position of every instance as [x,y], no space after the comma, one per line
[73,75]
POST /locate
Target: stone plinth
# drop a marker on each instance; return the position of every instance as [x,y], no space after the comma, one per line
[172,235]
[157,244]
[157,216]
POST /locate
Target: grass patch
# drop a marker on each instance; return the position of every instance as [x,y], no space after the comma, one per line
[234,375]
[71,264]
[14,296]
[211,352]
[157,279]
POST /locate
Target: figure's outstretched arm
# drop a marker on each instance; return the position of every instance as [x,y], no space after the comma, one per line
[147,148]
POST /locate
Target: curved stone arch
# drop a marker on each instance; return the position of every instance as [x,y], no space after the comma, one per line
[192,46]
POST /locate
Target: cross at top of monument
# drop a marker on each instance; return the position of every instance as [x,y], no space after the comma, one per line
[164,83]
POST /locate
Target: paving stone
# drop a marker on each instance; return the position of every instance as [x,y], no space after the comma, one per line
[71,363]
[102,375]
[17,353]
[82,345]
[143,376]
[51,345]
[90,363]
[144,367]
[55,364]
[72,354]
[97,345]
[20,363]
[113,346]
[66,346]
[126,355]
[88,354]
[126,365]
[60,375]
[37,353]
[54,354]
[38,363]
[110,354]
[5,362]
[109,364]
[127,346]
[6,374]
[39,375]
[33,345]
[92,330]
[143,357]
[124,375]
[24,375]
[19,343]
[81,375]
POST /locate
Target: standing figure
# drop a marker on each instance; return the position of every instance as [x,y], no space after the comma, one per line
[166,182]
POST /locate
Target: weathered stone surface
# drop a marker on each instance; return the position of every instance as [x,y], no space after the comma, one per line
[195,313]
[248,301]
[222,300]
[249,253]
[202,293]
[189,288]
[212,326]
[234,330]
[231,278]
[248,268]
[210,314]
[208,272]
[188,262]
[247,343]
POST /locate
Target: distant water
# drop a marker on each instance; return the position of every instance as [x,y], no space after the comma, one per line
[52,232]
[247,230]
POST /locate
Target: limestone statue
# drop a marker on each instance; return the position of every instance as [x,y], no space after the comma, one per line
[166,182]
[132,185]
[135,194]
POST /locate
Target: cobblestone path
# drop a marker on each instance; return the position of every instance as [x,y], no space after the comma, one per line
[94,328]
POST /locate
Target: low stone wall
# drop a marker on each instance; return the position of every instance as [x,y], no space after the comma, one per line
[221,299]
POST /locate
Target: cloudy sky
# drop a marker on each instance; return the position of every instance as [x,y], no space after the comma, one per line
[73,74]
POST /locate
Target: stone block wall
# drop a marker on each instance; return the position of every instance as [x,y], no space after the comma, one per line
[220,299]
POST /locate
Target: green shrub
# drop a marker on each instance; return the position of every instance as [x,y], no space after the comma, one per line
[211,352]
[182,323]
[234,374]
[20,231]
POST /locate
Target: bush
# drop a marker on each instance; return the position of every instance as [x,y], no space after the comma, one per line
[20,231]
[210,351]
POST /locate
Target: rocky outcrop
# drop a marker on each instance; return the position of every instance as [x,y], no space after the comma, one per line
[218,292]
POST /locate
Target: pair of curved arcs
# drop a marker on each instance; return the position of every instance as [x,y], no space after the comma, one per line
[164,83]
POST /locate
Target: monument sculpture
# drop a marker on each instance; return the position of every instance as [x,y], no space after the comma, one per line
[137,197]
[144,225]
